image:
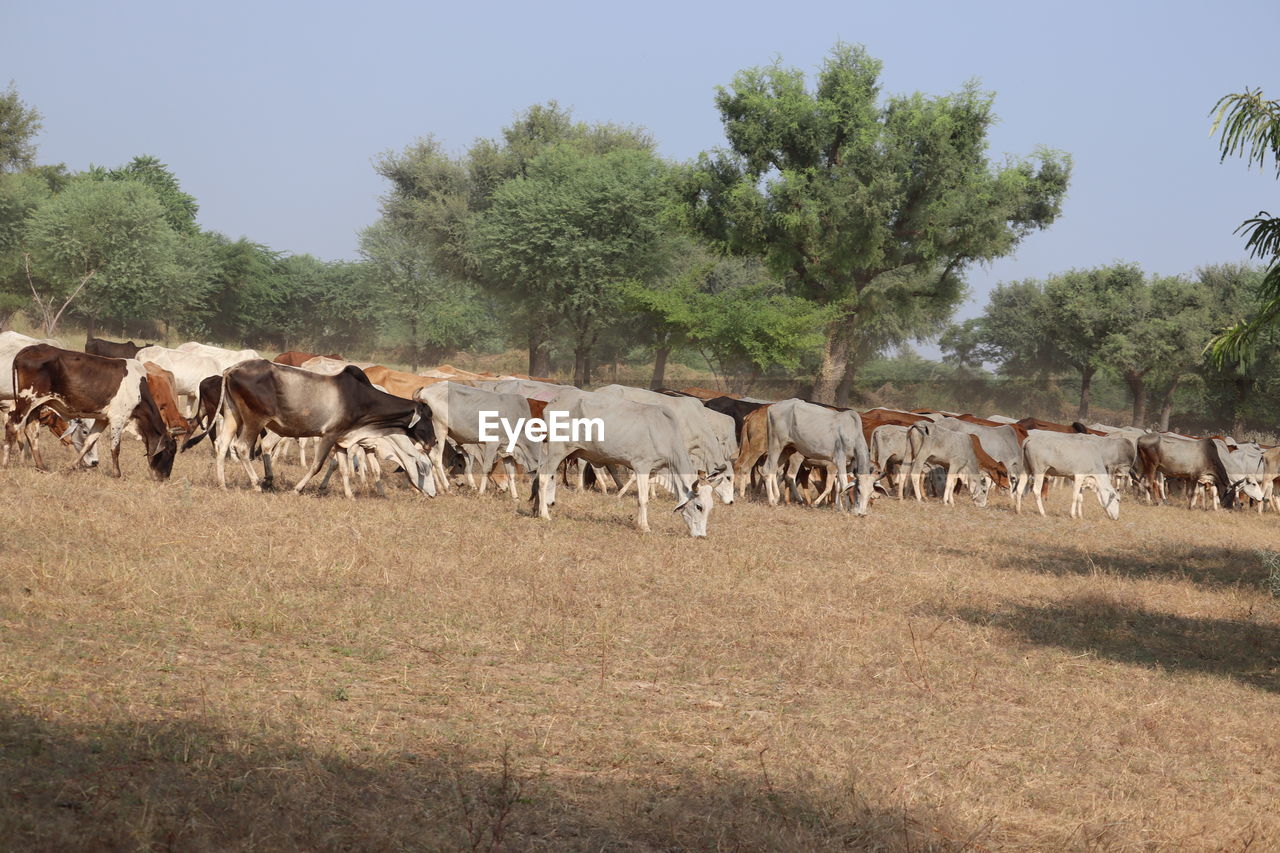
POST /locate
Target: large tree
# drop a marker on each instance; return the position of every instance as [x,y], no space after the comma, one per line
[573,228]
[435,312]
[105,245]
[847,195]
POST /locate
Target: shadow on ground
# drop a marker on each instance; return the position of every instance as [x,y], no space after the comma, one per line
[1204,565]
[1245,651]
[183,785]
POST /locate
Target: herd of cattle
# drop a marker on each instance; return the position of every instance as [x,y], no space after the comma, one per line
[699,445]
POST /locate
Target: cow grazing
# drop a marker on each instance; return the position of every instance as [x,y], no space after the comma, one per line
[820,434]
[959,452]
[1078,456]
[455,412]
[112,349]
[70,433]
[647,439]
[1202,460]
[888,450]
[1002,442]
[343,411]
[709,435]
[112,392]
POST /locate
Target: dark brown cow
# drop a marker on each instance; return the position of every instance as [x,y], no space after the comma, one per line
[294,358]
[1076,427]
[734,408]
[110,391]
[343,410]
[112,349]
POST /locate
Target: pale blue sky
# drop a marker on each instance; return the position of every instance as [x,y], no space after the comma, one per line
[270,113]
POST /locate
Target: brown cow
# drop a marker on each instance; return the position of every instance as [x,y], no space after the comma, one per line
[160,381]
[111,391]
[397,382]
[294,358]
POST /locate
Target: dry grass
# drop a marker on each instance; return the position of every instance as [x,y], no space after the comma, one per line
[191,670]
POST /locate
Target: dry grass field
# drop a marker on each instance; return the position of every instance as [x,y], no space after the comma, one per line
[189,670]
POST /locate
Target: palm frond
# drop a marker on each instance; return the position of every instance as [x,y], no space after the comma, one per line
[1263,233]
[1250,127]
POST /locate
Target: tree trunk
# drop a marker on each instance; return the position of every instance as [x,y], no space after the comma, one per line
[1137,383]
[1086,379]
[539,348]
[835,359]
[1244,390]
[1166,407]
[845,389]
[90,327]
[659,377]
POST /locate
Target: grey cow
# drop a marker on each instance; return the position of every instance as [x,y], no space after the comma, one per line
[647,439]
[1077,456]
[456,412]
[824,435]
[937,444]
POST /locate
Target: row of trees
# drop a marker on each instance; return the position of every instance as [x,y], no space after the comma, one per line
[833,224]
[1148,332]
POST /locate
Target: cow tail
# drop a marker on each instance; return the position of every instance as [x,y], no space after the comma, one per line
[200,422]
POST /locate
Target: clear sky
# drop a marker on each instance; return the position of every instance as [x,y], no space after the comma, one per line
[271,113]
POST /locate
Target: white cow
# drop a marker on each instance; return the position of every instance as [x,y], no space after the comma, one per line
[456,413]
[646,439]
[710,436]
[1077,456]
[824,435]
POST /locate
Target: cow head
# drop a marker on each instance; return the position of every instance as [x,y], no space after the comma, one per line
[420,429]
[161,446]
[864,485]
[721,480]
[1108,496]
[979,488]
[695,508]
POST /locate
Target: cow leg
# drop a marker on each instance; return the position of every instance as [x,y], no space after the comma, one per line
[488,462]
[1038,488]
[642,496]
[949,487]
[436,455]
[117,433]
[344,458]
[917,482]
[513,481]
[325,447]
[1017,498]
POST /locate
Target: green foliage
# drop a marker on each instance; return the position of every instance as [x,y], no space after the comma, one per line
[1250,127]
[115,232]
[180,208]
[19,124]
[436,313]
[868,207]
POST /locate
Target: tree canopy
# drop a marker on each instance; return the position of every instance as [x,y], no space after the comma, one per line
[863,204]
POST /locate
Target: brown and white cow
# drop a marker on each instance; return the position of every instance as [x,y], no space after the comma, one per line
[343,411]
[111,392]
